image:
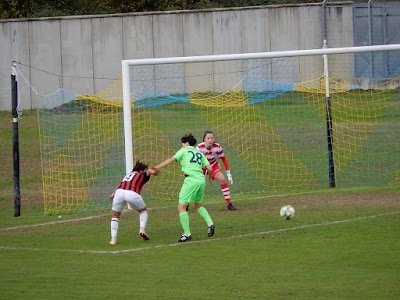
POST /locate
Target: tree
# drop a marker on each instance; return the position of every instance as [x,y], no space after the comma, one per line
[52,8]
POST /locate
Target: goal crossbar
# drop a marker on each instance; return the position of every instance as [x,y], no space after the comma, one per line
[273,54]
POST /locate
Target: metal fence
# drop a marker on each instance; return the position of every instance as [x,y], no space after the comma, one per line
[375,22]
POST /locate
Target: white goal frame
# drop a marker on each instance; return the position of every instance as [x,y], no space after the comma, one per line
[126,91]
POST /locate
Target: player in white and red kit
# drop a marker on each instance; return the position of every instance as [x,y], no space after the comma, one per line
[213,151]
[128,191]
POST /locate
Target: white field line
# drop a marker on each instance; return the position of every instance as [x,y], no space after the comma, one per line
[109,214]
[198,242]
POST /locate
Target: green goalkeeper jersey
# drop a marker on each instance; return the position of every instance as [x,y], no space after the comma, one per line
[192,161]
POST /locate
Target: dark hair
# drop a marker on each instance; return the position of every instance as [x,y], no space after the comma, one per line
[207,132]
[189,138]
[139,166]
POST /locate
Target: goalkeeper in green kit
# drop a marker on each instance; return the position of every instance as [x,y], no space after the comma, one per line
[192,163]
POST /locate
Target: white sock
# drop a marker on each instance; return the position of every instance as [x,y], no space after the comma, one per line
[114,228]
[143,220]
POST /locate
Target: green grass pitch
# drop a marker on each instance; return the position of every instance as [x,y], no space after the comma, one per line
[342,244]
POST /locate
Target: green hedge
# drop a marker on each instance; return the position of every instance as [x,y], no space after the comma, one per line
[14,9]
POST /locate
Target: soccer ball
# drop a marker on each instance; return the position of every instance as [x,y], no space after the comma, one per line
[287,212]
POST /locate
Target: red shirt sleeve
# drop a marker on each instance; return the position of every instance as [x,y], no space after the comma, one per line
[225,162]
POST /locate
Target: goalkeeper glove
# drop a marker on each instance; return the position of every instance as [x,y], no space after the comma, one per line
[228,174]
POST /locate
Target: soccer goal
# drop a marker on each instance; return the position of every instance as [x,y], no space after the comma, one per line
[288,121]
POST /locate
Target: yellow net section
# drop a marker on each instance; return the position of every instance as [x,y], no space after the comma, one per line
[81,147]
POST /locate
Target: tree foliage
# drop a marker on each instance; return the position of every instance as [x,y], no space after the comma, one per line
[10,9]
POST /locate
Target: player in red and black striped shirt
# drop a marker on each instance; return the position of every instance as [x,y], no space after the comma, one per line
[128,191]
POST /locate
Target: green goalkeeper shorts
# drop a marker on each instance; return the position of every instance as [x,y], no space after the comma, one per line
[192,190]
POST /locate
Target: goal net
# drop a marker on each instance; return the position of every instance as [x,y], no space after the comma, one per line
[288,122]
